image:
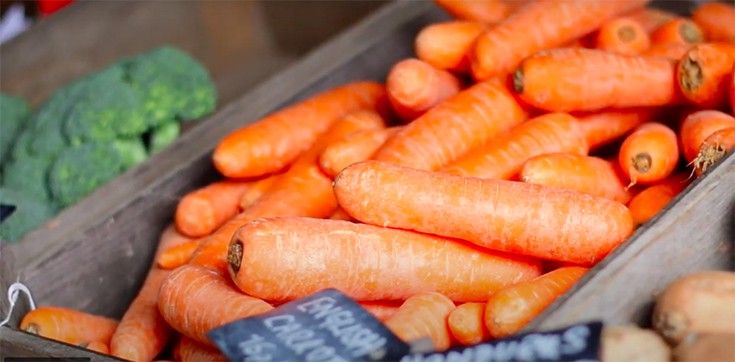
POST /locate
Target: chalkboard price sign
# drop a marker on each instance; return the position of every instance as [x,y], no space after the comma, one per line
[326,326]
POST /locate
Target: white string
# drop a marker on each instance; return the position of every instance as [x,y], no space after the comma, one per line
[13,292]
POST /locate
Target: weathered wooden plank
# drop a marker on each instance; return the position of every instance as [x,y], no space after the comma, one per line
[14,343]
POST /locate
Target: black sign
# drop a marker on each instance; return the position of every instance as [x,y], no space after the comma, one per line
[325,326]
[6,211]
[577,343]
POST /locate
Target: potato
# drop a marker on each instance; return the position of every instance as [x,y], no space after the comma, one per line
[701,302]
[633,344]
[711,347]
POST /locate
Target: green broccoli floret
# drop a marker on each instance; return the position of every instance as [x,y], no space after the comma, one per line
[172,85]
[163,135]
[79,170]
[22,145]
[131,150]
[28,214]
[29,175]
[13,113]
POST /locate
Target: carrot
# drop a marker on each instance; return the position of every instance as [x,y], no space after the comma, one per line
[704,73]
[446,45]
[653,199]
[256,190]
[503,157]
[587,174]
[678,30]
[98,347]
[699,125]
[67,325]
[467,324]
[713,149]
[732,91]
[178,255]
[203,210]
[473,116]
[423,315]
[355,147]
[674,51]
[193,300]
[142,333]
[716,20]
[189,350]
[514,217]
[275,141]
[415,86]
[340,214]
[649,154]
[541,24]
[486,11]
[589,79]
[622,35]
[304,190]
[381,309]
[366,262]
[651,18]
[602,128]
[512,308]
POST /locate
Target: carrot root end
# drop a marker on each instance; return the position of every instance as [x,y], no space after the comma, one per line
[642,162]
[234,256]
[626,34]
[32,328]
[518,81]
[691,75]
[708,156]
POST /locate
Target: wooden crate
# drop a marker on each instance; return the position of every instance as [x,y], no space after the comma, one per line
[98,263]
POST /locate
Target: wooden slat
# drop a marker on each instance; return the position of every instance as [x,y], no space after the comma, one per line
[14,343]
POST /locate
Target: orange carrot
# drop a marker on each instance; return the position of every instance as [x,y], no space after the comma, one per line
[515,217]
[503,157]
[699,125]
[732,91]
[446,45]
[716,20]
[204,210]
[541,24]
[674,51]
[651,18]
[366,262]
[678,30]
[713,149]
[67,325]
[189,350]
[340,214]
[355,147]
[423,315]
[415,86]
[381,309]
[98,347]
[704,73]
[601,128]
[653,199]
[512,308]
[473,116]
[178,255]
[304,190]
[649,154]
[272,143]
[467,324]
[193,300]
[142,333]
[486,11]
[590,79]
[591,175]
[256,190]
[622,35]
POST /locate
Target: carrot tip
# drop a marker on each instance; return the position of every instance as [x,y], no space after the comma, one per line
[518,81]
[691,75]
[708,156]
[234,256]
[642,162]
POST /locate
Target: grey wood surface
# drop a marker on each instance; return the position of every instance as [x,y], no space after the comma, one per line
[14,343]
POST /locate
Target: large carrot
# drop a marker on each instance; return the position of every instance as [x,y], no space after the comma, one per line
[591,175]
[713,149]
[423,315]
[699,125]
[355,147]
[256,190]
[68,325]
[269,258]
[486,11]
[704,73]
[623,36]
[503,157]
[649,154]
[382,310]
[578,79]
[142,333]
[651,18]
[678,30]
[272,143]
[649,202]
[446,45]
[304,190]
[193,300]
[607,126]
[541,24]
[514,217]
[189,350]
[204,210]
[673,51]
[512,308]
[467,324]
[415,86]
[473,116]
[716,20]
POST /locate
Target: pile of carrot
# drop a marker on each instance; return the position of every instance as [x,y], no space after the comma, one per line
[459,198]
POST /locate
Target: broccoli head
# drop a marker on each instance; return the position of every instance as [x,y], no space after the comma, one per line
[131,150]
[27,215]
[163,135]
[29,175]
[172,85]
[22,145]
[81,169]
[13,113]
